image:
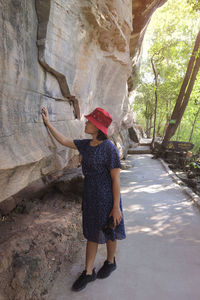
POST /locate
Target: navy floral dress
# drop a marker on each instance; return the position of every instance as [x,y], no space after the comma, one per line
[97,161]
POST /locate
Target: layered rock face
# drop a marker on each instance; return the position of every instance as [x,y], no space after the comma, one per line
[70,56]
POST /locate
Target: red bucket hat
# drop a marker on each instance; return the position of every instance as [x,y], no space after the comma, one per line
[101,119]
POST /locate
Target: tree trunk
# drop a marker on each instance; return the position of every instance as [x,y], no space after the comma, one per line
[156,101]
[185,91]
[195,119]
[150,126]
[178,132]
[146,127]
[159,124]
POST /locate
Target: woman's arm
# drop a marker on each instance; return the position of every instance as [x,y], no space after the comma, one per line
[116,212]
[56,134]
[60,137]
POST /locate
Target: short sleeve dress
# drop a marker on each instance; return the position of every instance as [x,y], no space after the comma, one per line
[97,203]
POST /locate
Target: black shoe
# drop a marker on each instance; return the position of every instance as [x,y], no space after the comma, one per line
[83,280]
[107,269]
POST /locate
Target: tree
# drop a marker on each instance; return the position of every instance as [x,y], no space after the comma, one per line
[185,91]
[156,100]
[194,123]
[171,38]
[144,105]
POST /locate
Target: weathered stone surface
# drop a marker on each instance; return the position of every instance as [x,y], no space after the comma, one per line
[142,11]
[121,140]
[7,206]
[37,240]
[63,181]
[70,182]
[70,56]
[136,133]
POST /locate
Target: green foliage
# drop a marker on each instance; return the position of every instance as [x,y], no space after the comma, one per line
[195,165]
[195,4]
[169,42]
[172,122]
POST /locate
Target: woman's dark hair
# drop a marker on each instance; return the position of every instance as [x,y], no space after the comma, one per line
[101,136]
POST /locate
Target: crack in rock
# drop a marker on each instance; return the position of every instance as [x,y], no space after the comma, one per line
[43,12]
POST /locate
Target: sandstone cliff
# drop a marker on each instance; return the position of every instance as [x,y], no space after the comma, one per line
[70,56]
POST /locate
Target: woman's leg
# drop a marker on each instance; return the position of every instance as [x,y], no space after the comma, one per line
[111,249]
[110,264]
[91,251]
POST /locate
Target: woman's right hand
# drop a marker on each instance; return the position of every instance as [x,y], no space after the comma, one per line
[45,115]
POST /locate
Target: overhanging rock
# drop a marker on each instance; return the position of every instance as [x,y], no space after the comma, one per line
[70,56]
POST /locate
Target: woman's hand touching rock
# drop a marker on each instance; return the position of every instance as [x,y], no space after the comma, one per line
[45,116]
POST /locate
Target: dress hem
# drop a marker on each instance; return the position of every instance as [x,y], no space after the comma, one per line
[90,240]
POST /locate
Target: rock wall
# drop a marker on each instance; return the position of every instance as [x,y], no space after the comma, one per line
[70,56]
[38,240]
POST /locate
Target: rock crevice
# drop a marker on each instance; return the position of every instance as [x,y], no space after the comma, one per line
[70,56]
[43,12]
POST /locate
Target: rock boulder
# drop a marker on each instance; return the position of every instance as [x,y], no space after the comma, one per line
[70,56]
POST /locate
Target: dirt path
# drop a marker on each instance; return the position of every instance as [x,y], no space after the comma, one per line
[160,258]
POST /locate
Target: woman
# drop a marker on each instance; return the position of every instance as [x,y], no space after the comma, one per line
[101,195]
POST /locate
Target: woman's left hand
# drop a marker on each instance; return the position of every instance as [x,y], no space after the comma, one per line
[117,215]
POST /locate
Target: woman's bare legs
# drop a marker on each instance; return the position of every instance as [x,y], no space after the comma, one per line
[91,251]
[111,249]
